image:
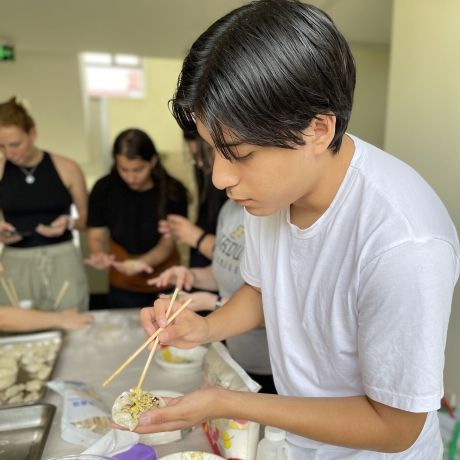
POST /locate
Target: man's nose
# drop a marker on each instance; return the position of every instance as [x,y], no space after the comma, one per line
[224,172]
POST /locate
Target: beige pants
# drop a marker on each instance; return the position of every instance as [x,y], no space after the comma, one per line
[39,273]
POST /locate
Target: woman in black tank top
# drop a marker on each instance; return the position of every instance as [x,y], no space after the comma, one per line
[37,190]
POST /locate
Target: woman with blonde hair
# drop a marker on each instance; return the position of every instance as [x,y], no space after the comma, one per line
[37,189]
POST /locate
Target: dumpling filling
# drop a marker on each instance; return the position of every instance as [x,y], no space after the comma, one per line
[130,405]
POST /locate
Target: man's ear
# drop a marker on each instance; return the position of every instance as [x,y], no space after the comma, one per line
[33,134]
[320,132]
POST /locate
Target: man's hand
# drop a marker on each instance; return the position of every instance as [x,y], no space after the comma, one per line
[56,228]
[132,267]
[100,260]
[180,275]
[182,229]
[163,228]
[188,330]
[70,320]
[182,412]
[8,234]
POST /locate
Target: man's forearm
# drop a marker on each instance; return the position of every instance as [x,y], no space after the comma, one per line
[203,278]
[15,319]
[353,422]
[96,240]
[241,313]
[159,253]
[206,246]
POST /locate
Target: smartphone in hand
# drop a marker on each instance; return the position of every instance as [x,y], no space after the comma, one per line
[11,233]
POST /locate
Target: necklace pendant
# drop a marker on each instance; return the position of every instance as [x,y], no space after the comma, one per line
[30,179]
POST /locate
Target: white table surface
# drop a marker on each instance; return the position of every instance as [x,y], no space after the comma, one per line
[93,354]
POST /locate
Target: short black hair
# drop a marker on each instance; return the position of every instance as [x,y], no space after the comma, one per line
[263,72]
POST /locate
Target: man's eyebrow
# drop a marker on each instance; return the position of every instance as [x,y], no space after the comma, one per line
[226,146]
[232,144]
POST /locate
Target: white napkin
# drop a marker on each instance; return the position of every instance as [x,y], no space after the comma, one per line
[114,442]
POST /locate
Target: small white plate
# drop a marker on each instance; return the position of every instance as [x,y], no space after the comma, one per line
[192,456]
[179,359]
[155,439]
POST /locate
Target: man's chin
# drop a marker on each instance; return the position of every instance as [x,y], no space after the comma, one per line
[259,212]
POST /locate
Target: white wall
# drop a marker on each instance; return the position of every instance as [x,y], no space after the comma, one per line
[152,115]
[51,84]
[369,107]
[423,114]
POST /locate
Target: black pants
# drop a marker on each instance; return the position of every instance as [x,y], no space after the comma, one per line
[119,298]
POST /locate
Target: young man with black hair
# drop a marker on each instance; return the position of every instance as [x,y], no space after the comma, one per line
[351,259]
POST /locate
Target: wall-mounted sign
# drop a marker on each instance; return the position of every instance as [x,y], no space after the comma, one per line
[6,52]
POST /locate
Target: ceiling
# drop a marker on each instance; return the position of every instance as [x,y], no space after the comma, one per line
[163,28]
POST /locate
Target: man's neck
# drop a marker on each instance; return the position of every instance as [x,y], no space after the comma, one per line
[309,209]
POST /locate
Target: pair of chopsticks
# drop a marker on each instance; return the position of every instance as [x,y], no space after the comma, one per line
[155,343]
[12,295]
[10,290]
[153,337]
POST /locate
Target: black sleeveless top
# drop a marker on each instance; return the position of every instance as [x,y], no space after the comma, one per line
[26,205]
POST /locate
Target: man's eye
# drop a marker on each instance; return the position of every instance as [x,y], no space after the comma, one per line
[245,157]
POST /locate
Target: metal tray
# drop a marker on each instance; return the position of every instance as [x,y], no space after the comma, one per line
[28,350]
[24,430]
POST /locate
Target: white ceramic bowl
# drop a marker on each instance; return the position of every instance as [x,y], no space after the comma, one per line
[179,359]
[155,439]
[192,456]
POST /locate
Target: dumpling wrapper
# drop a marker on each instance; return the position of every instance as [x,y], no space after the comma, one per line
[130,405]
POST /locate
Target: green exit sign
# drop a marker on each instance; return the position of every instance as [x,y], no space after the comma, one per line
[6,53]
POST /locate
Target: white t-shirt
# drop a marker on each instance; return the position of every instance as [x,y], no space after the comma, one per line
[359,302]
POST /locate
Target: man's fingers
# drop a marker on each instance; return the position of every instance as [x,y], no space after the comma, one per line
[147,318]
[180,281]
[158,428]
[154,281]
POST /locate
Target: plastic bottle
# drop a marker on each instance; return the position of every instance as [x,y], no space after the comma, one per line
[273,446]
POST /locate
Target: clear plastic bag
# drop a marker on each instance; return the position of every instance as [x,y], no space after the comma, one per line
[235,439]
[84,419]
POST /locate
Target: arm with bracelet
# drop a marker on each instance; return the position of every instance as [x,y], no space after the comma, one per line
[205,244]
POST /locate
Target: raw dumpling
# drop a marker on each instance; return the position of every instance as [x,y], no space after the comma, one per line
[130,405]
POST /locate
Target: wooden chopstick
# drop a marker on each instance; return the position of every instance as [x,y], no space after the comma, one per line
[155,343]
[146,343]
[61,294]
[7,291]
[13,291]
